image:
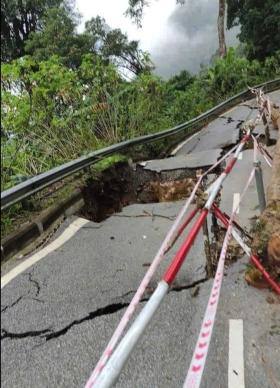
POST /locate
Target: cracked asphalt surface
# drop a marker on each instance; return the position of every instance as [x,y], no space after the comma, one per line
[58,316]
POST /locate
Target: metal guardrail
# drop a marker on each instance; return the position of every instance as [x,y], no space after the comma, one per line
[39,182]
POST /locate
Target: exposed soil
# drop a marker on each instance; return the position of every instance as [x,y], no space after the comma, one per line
[234,251]
[123,184]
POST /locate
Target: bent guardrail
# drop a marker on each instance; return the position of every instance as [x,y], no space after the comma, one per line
[41,181]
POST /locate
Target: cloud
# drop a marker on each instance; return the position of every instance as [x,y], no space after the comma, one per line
[189,38]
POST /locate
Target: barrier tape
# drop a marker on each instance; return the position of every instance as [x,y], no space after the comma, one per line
[202,346]
[264,104]
[223,217]
[166,245]
[194,375]
[262,147]
[109,374]
[265,151]
[262,151]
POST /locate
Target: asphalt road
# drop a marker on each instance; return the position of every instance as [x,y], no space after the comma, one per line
[58,315]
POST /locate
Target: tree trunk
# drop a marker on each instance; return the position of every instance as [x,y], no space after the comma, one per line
[221,28]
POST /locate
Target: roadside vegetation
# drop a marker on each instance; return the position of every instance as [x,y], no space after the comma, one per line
[52,113]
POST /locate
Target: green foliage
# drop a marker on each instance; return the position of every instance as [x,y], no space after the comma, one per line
[108,162]
[233,73]
[52,114]
[113,46]
[181,81]
[40,128]
[58,37]
[260,25]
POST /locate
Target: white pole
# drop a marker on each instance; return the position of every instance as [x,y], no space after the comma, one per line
[114,366]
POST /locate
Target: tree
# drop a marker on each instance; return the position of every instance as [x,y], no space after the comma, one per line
[113,45]
[260,25]
[58,37]
[18,19]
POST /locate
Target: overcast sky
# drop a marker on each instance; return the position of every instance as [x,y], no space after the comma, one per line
[177,37]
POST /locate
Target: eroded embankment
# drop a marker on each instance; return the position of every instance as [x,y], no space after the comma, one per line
[123,184]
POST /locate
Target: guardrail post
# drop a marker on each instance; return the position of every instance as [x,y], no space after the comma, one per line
[259,184]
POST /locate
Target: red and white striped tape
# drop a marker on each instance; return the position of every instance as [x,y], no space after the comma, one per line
[196,368]
[257,146]
[168,241]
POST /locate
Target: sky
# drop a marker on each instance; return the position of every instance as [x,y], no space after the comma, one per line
[177,37]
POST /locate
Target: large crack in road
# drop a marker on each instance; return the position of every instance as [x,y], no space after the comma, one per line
[48,334]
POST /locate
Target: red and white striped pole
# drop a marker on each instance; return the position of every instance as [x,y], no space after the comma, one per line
[111,371]
[183,226]
[223,218]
